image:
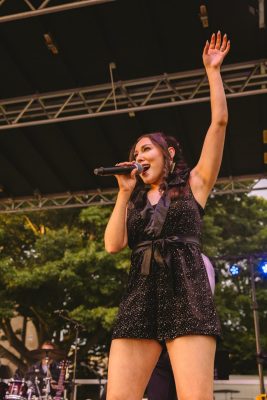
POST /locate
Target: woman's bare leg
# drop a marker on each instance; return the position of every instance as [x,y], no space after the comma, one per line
[192,359]
[131,362]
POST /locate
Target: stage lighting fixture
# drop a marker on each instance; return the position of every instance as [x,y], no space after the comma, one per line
[50,44]
[262,267]
[234,270]
[204,16]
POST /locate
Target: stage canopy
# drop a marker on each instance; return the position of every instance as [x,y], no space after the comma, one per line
[81,80]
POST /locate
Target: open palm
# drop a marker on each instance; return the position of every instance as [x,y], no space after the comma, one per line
[215,51]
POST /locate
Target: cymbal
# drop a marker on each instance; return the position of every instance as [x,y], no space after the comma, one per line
[54,354]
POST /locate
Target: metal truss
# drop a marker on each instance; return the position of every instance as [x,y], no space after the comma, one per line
[167,90]
[45,8]
[58,201]
[244,184]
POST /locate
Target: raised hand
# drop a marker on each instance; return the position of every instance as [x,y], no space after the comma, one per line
[215,51]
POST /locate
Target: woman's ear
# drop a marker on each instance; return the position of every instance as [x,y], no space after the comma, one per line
[171,151]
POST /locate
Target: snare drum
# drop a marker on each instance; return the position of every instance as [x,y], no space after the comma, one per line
[17,390]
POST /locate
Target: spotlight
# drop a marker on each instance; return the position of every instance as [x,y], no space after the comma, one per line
[50,44]
[204,16]
[234,270]
[263,267]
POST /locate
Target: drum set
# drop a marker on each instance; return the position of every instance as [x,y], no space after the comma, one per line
[36,385]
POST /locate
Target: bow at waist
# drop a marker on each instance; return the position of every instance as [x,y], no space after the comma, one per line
[155,249]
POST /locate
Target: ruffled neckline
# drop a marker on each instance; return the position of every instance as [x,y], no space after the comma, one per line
[156,215]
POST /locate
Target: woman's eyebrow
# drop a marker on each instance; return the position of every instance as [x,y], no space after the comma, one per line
[141,148]
[144,145]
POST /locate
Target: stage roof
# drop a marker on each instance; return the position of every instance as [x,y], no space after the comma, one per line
[80,84]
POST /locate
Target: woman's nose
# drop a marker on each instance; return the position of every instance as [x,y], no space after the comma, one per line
[139,157]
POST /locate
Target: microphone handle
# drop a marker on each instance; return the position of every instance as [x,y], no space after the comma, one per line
[114,170]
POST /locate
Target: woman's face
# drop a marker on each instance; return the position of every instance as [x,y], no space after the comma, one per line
[151,158]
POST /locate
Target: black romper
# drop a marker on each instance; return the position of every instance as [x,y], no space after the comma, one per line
[168,293]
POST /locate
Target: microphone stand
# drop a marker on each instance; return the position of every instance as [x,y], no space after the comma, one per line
[47,379]
[77,326]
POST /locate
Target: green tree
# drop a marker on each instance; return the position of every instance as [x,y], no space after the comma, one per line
[55,261]
[236,226]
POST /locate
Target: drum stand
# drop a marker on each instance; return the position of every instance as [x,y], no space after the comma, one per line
[47,379]
[37,388]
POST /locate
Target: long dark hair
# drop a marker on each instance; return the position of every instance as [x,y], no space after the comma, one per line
[163,142]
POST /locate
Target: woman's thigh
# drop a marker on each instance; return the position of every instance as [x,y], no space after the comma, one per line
[131,362]
[192,360]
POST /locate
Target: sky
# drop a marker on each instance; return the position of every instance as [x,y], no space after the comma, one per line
[261,193]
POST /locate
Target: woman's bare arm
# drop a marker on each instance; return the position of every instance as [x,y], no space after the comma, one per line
[204,175]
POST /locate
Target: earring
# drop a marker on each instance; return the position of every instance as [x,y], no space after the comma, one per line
[172,166]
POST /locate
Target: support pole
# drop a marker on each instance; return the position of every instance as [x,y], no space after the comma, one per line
[256,324]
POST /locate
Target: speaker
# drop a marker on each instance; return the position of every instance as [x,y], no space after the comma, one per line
[221,365]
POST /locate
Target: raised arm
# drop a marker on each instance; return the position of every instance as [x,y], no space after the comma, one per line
[204,175]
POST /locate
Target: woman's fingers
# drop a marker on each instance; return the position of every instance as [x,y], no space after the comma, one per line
[124,164]
[218,40]
[212,41]
[206,48]
[228,45]
[224,42]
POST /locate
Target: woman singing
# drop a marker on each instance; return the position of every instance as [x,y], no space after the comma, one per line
[168,298]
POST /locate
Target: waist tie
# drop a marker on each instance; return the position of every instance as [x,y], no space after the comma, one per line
[155,249]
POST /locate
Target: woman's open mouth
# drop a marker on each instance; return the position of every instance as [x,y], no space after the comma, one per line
[145,168]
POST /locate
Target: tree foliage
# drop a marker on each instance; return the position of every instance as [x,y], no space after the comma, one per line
[63,266]
[236,228]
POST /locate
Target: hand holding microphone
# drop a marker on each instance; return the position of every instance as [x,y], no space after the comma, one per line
[124,172]
[119,169]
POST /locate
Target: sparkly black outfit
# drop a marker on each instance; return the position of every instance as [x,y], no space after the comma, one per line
[168,293]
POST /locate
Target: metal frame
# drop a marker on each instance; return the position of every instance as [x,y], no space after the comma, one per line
[58,201]
[45,8]
[243,184]
[167,90]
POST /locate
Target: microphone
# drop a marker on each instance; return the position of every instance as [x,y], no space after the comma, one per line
[119,170]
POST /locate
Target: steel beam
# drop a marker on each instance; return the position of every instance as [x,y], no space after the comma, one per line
[47,8]
[58,201]
[242,184]
[156,92]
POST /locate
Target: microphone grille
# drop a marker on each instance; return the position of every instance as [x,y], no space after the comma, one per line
[139,167]
[98,171]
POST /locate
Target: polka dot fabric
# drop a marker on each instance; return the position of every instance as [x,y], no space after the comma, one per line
[175,299]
